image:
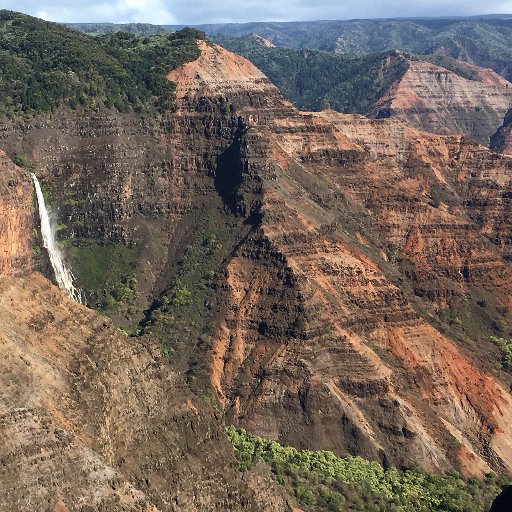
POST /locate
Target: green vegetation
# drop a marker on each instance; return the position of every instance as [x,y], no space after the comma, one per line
[505,347]
[178,317]
[107,272]
[450,64]
[20,160]
[321,481]
[97,29]
[71,198]
[316,80]
[44,66]
[484,40]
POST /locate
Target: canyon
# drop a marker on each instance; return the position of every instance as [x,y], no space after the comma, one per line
[315,307]
[345,275]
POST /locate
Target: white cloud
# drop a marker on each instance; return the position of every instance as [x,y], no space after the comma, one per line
[200,11]
[120,11]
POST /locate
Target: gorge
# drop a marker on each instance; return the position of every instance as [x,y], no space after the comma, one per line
[324,280]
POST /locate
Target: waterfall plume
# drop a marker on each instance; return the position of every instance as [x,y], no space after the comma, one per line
[63,275]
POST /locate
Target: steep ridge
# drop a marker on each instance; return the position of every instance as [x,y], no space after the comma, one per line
[15,218]
[437,100]
[324,343]
[92,419]
[430,92]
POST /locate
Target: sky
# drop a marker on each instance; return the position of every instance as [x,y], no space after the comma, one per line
[164,12]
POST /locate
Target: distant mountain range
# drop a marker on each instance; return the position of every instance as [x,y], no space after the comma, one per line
[482,40]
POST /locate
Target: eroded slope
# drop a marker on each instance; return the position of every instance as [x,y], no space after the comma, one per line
[15,218]
[325,342]
[432,98]
[91,418]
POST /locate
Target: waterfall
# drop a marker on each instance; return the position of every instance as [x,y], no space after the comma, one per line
[63,275]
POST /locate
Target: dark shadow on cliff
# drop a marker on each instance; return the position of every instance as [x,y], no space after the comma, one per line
[503,502]
[229,173]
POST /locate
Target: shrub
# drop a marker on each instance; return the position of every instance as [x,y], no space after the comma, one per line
[321,481]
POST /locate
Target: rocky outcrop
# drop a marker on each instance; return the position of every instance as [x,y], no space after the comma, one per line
[89,418]
[501,141]
[15,218]
[324,342]
[434,99]
[261,40]
[268,493]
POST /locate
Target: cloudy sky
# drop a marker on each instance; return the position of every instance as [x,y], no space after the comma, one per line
[216,11]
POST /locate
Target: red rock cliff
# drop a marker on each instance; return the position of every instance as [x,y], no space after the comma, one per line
[330,338]
[435,99]
[15,218]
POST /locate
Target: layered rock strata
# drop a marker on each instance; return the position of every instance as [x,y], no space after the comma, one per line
[16,221]
[434,99]
[324,343]
[356,253]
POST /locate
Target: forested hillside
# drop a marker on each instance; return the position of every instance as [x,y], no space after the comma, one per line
[486,40]
[316,80]
[44,66]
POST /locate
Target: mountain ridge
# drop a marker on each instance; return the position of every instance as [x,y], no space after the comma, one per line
[460,38]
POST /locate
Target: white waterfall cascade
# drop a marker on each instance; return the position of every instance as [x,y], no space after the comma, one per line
[63,275]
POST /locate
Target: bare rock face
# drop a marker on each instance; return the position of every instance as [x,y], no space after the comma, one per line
[92,420]
[15,218]
[344,311]
[261,40]
[431,98]
[501,141]
[325,343]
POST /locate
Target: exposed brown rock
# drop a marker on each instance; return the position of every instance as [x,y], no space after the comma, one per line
[89,418]
[325,321]
[268,493]
[263,41]
[15,218]
[435,99]
[310,310]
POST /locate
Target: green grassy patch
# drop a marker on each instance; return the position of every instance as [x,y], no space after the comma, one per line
[505,346]
[107,272]
[321,481]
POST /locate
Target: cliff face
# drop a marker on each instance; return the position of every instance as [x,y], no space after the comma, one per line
[92,419]
[434,99]
[15,218]
[501,141]
[325,342]
[340,307]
